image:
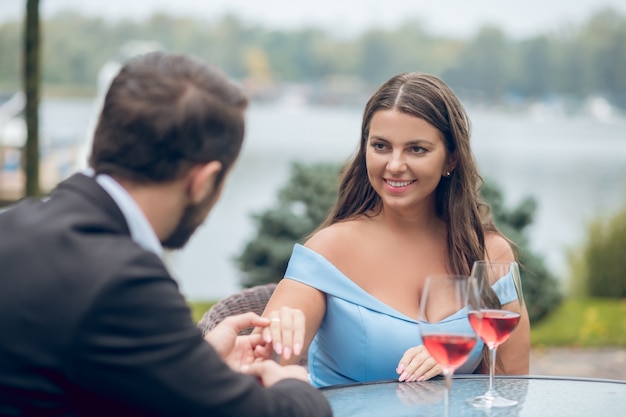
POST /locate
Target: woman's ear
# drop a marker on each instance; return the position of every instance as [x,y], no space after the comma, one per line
[202,180]
[451,163]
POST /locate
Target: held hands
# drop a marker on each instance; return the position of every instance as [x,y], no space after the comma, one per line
[248,354]
[238,351]
[417,365]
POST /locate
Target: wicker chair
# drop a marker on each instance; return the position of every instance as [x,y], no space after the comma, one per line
[250,299]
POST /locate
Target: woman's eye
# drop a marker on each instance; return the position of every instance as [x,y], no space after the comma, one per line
[418,149]
[378,146]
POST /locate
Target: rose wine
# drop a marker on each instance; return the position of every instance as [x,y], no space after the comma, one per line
[449,350]
[493,326]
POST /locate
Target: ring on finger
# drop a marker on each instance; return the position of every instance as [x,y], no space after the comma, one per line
[275,320]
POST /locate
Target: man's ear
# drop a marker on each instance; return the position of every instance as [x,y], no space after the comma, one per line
[202,180]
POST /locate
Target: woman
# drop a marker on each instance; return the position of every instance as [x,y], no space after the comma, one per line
[408,207]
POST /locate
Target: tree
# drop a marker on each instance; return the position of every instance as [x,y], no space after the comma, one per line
[483,65]
[302,205]
[31,89]
[573,61]
[376,55]
[306,199]
[535,69]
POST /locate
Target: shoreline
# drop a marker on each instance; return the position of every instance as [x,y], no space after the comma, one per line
[604,363]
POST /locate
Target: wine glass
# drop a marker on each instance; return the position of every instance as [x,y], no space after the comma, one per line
[444,296]
[494,284]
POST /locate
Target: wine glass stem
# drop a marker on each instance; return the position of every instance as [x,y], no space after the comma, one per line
[492,367]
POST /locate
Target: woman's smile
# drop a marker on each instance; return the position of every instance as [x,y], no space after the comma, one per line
[398,185]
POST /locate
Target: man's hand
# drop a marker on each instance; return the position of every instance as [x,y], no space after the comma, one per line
[237,350]
[269,372]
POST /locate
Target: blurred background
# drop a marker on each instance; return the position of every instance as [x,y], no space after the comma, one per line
[544,83]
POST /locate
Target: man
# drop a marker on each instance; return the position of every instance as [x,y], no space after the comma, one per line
[91,321]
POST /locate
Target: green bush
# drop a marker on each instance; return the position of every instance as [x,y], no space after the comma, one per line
[311,191]
[302,205]
[198,308]
[600,265]
[583,322]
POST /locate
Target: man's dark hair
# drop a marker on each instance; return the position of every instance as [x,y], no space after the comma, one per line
[163,114]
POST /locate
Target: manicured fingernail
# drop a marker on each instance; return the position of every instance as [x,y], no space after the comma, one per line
[297,348]
[287,352]
[400,368]
[403,376]
[421,378]
[278,348]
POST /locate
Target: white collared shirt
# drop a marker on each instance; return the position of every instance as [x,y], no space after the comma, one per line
[140,230]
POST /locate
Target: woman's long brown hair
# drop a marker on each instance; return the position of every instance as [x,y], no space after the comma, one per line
[458,200]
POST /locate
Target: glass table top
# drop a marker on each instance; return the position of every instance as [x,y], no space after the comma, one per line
[537,396]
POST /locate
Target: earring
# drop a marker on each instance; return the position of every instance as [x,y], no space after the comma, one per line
[448,173]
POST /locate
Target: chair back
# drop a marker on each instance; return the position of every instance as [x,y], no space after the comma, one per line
[250,299]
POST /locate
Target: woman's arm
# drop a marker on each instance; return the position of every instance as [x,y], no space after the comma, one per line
[299,309]
[513,356]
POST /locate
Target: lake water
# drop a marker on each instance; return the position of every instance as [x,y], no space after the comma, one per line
[575,167]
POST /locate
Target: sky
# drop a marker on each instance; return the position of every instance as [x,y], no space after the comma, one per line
[459,18]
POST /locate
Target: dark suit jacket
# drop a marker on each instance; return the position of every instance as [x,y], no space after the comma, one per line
[91,324]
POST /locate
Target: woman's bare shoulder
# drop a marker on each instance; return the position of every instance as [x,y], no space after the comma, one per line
[335,238]
[498,248]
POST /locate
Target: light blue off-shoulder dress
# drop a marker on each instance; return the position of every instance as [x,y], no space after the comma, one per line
[361,338]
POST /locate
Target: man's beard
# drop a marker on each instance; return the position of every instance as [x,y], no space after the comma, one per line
[193,216]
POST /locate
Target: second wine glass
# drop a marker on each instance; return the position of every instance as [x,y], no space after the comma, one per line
[494,312]
[443,298]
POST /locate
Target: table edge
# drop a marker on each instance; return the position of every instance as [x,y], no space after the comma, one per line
[472,376]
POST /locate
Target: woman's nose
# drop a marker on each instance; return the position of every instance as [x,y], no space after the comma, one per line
[396,162]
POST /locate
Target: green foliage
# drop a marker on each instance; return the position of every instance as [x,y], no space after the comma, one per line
[600,264]
[198,308]
[310,193]
[302,205]
[581,60]
[482,68]
[586,322]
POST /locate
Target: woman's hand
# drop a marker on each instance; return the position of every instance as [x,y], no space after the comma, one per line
[285,331]
[417,365]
